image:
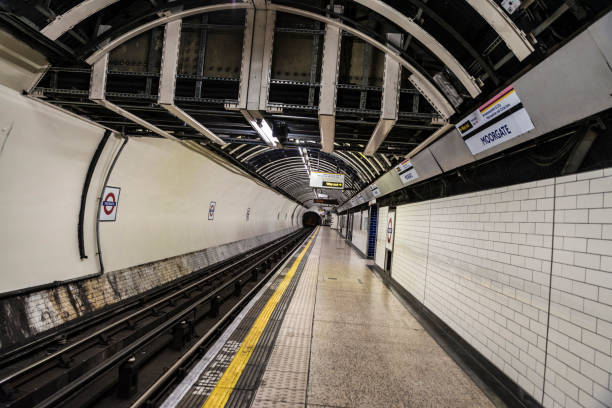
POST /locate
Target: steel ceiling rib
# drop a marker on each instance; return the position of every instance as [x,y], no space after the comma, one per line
[290,181]
[329,87]
[366,158]
[254,154]
[290,172]
[427,89]
[365,163]
[97,93]
[389,108]
[65,22]
[345,157]
[167,81]
[240,146]
[421,35]
[514,38]
[170,16]
[242,154]
[325,159]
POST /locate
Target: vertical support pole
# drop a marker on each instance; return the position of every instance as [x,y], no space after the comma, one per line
[151,59]
[167,80]
[169,62]
[201,56]
[261,60]
[328,91]
[365,74]
[314,64]
[390,100]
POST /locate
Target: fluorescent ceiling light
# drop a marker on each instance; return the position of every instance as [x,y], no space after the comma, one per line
[261,127]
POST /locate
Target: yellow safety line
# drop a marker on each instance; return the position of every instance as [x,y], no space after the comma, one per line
[222,391]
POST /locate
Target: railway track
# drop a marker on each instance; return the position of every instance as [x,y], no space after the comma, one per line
[134,352]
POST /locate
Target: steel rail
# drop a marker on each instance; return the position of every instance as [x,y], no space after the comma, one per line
[173,370]
[138,313]
[70,390]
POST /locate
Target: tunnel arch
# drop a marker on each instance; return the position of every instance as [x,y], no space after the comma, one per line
[311,219]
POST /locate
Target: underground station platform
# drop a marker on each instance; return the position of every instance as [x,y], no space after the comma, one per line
[326,331]
[305,203]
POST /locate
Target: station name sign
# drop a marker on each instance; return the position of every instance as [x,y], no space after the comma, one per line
[406,171]
[327,180]
[500,119]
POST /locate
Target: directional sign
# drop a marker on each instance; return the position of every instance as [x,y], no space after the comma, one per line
[327,180]
[109,204]
[211,210]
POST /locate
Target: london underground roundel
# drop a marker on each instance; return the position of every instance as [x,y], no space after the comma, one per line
[109,204]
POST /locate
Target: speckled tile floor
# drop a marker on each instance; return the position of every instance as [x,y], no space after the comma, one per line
[347,341]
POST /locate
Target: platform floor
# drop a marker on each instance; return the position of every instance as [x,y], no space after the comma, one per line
[344,340]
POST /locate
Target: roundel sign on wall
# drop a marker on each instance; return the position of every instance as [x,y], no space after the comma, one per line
[109,204]
[390,230]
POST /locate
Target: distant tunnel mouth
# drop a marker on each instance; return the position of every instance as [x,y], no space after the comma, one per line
[311,219]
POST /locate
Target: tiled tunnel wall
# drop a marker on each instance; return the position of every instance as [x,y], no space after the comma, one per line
[493,264]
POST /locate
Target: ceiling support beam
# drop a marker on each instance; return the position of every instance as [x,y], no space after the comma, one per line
[65,22]
[437,100]
[97,90]
[261,60]
[390,103]
[167,80]
[329,82]
[255,70]
[514,37]
[416,31]
[431,93]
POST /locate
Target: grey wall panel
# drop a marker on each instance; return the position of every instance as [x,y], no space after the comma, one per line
[451,151]
[389,182]
[601,32]
[425,165]
[573,83]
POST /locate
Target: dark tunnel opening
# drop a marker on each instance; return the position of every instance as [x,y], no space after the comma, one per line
[311,219]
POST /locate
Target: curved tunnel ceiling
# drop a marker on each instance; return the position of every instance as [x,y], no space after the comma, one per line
[451,56]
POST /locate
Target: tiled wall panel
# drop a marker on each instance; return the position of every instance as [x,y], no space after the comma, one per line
[579,367]
[484,263]
[410,247]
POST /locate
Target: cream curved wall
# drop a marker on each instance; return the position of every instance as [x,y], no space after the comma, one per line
[44,156]
[166,190]
[163,206]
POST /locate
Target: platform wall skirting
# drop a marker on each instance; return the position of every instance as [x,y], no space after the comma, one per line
[25,316]
[523,274]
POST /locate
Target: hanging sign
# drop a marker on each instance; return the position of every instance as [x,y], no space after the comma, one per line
[406,171]
[211,210]
[327,180]
[109,204]
[375,191]
[500,119]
